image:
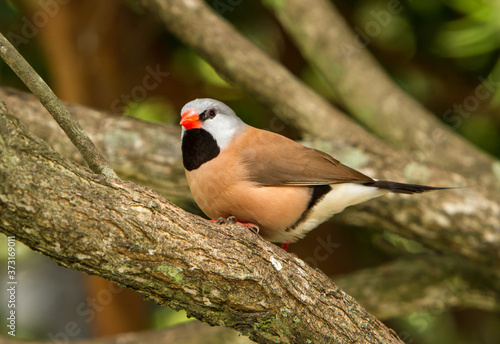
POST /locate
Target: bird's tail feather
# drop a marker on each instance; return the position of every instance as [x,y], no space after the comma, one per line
[402,187]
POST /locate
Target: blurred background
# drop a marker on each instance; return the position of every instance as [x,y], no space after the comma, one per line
[98,53]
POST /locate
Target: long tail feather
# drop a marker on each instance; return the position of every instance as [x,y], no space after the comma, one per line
[402,187]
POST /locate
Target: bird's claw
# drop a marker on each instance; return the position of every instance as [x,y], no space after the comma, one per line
[223,221]
[253,227]
[232,220]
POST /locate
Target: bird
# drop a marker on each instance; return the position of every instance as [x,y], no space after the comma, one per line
[264,180]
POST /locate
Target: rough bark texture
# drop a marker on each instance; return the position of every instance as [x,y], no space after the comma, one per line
[138,239]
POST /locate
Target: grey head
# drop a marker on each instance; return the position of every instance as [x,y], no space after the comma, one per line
[215,117]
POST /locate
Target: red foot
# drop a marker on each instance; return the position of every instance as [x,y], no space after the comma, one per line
[285,245]
[252,226]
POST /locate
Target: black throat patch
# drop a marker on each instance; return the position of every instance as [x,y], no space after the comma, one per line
[198,147]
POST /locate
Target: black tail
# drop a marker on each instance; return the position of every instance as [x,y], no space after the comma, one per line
[401,187]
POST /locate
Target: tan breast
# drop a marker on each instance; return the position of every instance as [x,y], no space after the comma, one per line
[221,188]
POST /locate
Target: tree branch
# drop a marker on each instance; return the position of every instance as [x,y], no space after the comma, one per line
[330,45]
[138,239]
[423,283]
[54,106]
[240,62]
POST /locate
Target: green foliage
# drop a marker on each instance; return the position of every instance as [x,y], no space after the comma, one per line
[152,110]
[475,33]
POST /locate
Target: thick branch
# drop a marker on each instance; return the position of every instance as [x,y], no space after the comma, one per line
[447,221]
[325,39]
[423,284]
[222,275]
[55,107]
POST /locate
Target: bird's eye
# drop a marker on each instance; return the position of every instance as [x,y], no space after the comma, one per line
[211,113]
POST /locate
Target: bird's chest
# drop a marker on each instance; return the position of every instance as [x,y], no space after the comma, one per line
[216,184]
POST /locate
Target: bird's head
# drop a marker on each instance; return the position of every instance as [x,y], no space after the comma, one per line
[213,116]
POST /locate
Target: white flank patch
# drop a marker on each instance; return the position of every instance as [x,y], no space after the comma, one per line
[340,197]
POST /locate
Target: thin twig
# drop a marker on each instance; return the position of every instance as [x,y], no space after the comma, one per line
[54,106]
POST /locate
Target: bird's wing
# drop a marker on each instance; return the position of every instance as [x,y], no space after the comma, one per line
[274,160]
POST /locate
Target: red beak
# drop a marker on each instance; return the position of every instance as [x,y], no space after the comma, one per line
[190,120]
